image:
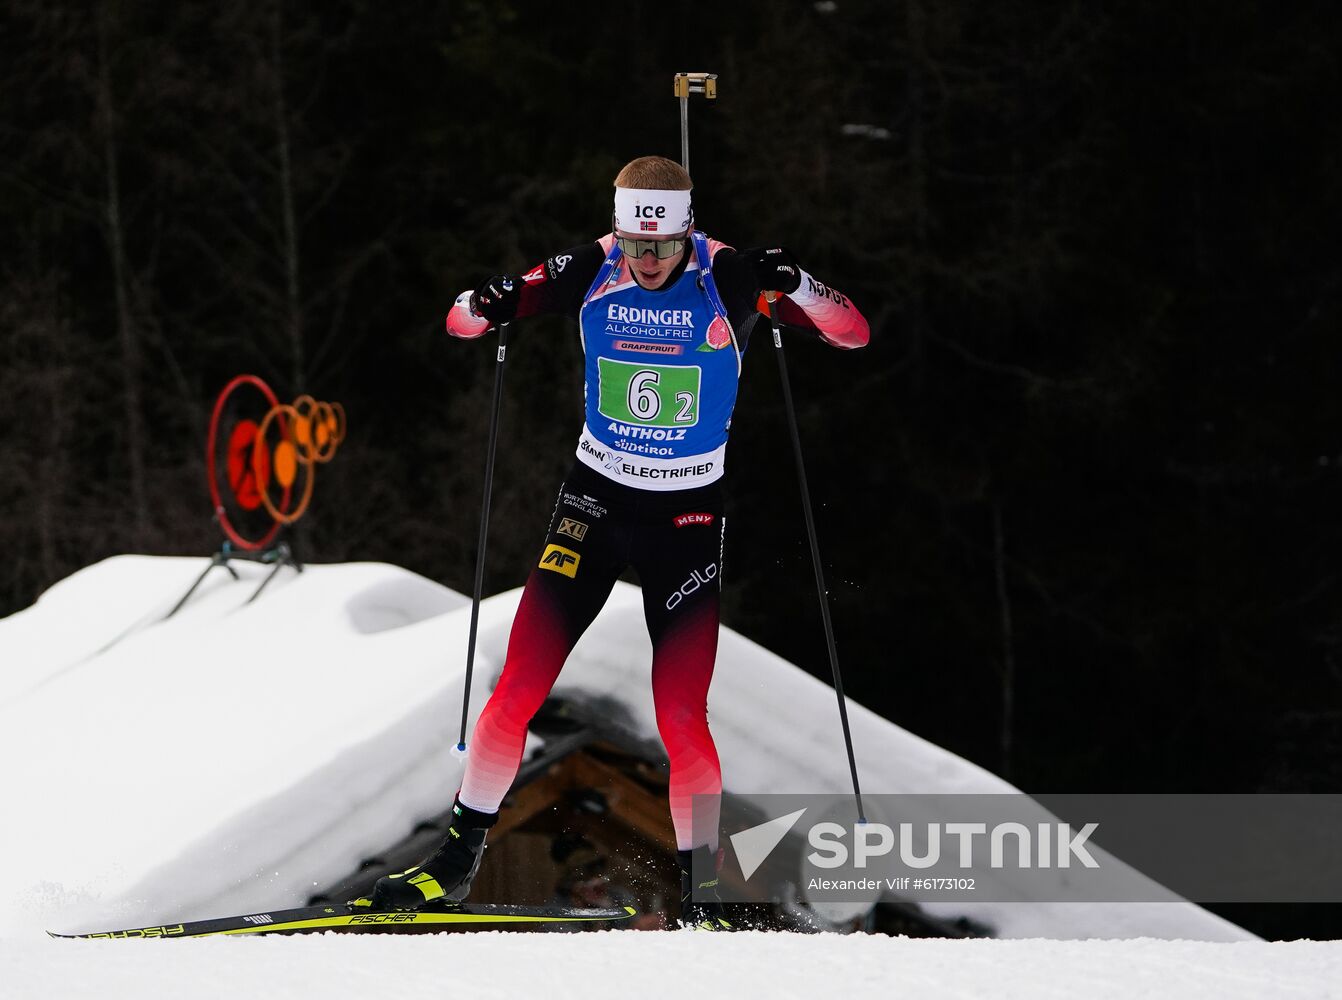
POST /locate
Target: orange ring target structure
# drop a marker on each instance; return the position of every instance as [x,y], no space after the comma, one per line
[320,428]
[266,458]
[283,462]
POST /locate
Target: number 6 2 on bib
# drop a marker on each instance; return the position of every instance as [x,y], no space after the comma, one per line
[649,395]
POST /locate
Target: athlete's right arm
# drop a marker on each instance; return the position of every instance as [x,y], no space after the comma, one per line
[556,286]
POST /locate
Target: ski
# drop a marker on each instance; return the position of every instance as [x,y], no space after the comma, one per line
[359,917]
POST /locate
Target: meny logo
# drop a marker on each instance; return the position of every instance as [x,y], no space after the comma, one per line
[683,520]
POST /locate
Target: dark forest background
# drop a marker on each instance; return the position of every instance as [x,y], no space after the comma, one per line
[1079,501]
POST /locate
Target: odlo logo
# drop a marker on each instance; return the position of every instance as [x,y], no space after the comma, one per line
[560,560]
[696,580]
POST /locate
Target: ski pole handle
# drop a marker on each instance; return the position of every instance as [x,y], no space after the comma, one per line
[769,297]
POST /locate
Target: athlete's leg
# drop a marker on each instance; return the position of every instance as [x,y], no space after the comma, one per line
[577,569]
[679,567]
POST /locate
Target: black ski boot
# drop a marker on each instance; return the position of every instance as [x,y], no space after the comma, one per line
[446,874]
[700,907]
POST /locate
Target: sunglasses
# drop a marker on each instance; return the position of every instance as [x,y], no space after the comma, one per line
[661,248]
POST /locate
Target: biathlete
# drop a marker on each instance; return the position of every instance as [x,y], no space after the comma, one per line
[664,313]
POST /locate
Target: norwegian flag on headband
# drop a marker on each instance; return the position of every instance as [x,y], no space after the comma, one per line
[647,226]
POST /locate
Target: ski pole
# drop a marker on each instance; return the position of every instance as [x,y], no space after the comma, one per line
[460,749]
[687,84]
[815,548]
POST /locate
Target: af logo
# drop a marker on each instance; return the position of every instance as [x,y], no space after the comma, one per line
[572,528]
[561,560]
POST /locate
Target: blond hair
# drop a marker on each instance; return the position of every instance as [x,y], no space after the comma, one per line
[654,173]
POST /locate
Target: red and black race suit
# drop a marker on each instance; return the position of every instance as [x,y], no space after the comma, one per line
[673,541]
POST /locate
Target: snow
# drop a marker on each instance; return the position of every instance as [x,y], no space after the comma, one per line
[612,963]
[240,755]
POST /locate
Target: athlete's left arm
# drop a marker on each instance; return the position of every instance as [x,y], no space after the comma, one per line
[813,306]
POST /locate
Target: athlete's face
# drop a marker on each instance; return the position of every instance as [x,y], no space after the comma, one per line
[651,271]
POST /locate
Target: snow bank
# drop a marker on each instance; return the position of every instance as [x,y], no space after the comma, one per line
[238,756]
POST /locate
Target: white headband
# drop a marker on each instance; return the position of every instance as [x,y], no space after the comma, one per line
[652,212]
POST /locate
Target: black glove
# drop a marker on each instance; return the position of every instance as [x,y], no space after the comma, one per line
[496,300]
[776,269]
